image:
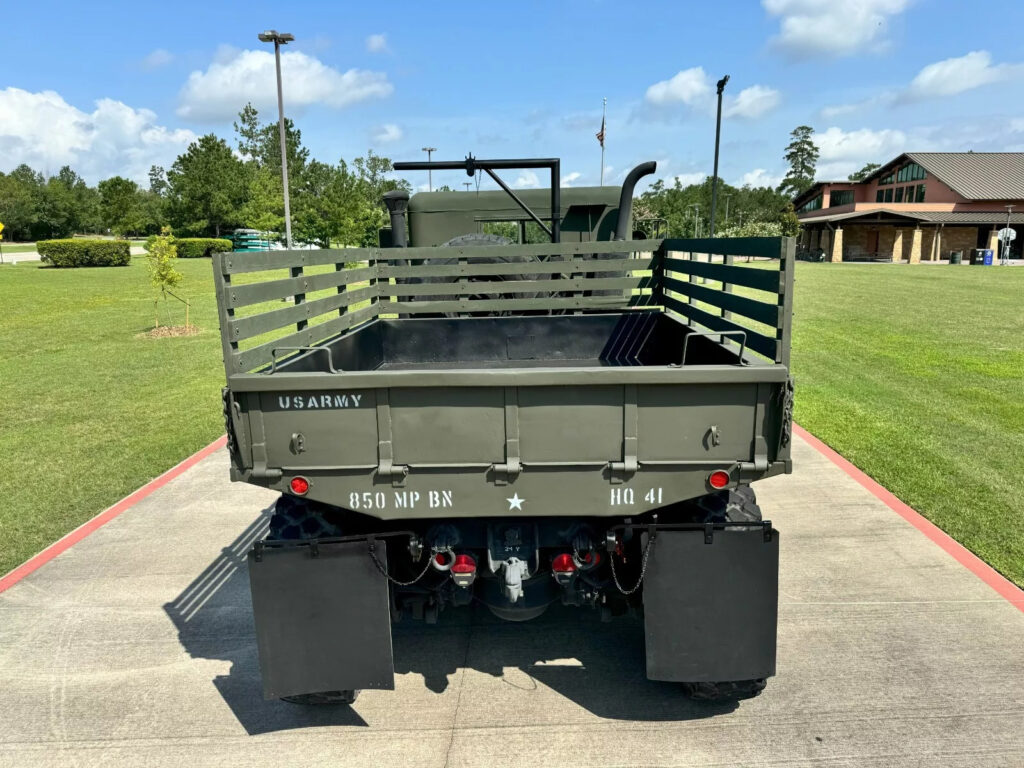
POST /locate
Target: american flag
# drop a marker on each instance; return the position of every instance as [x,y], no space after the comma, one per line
[600,134]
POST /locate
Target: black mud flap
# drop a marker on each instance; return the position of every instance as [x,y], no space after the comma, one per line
[711,604]
[322,618]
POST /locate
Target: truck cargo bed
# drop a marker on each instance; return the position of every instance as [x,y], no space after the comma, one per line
[580,394]
[635,338]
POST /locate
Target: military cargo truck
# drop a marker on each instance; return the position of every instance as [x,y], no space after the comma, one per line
[464,416]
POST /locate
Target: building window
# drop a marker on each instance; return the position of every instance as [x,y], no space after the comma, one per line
[920,193]
[886,179]
[842,197]
[880,196]
[898,197]
[888,195]
[911,172]
[811,205]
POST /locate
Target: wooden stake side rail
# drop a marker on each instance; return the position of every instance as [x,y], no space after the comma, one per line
[543,277]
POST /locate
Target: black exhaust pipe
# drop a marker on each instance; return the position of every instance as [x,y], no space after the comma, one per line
[622,228]
[397,202]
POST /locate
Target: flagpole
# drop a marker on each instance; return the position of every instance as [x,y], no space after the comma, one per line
[604,111]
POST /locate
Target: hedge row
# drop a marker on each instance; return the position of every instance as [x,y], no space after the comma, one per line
[197,247]
[85,253]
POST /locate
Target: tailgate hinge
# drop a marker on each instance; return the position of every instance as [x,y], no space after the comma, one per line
[621,471]
[509,471]
[386,466]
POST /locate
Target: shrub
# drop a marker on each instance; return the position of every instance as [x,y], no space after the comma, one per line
[85,253]
[195,247]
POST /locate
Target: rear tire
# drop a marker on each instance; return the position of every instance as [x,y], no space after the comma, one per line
[727,691]
[293,519]
[323,698]
[738,505]
[296,518]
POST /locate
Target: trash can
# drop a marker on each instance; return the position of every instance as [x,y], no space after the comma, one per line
[956,257]
[981,256]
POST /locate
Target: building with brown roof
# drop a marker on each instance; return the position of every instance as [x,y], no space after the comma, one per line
[920,206]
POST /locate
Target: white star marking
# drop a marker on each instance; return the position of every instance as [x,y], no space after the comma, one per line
[515,502]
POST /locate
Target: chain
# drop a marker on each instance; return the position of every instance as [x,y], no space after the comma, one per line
[643,569]
[392,579]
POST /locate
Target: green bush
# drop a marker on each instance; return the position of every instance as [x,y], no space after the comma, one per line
[85,253]
[196,247]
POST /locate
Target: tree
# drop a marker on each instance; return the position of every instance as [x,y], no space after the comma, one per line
[264,203]
[864,172]
[248,130]
[206,187]
[802,156]
[121,206]
[17,207]
[161,255]
[157,180]
[686,209]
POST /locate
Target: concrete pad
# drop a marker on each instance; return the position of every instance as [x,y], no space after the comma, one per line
[135,647]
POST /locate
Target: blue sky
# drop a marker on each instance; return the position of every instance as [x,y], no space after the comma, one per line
[115,87]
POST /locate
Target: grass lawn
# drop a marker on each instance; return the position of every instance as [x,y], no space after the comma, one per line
[90,412]
[17,248]
[914,373]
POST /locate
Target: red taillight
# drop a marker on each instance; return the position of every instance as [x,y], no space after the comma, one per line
[563,563]
[299,486]
[464,564]
[441,558]
[719,478]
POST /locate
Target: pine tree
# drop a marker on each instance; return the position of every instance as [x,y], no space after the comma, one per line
[802,156]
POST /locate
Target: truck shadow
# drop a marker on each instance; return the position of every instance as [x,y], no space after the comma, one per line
[600,667]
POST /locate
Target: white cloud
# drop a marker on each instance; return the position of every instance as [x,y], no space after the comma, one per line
[387,133]
[956,75]
[694,88]
[237,77]
[860,146]
[753,102]
[689,86]
[686,179]
[377,43]
[569,178]
[811,27]
[157,58]
[838,110]
[759,177]
[44,131]
[527,179]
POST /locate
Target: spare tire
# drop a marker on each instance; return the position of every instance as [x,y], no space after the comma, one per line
[475,240]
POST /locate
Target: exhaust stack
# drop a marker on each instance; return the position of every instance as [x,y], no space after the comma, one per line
[397,202]
[622,228]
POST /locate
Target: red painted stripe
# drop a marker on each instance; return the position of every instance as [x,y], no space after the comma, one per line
[106,516]
[966,558]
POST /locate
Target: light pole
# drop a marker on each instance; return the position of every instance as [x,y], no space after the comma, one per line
[430,173]
[1006,242]
[467,185]
[718,135]
[279,39]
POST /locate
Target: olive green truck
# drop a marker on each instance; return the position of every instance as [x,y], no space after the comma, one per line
[460,416]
